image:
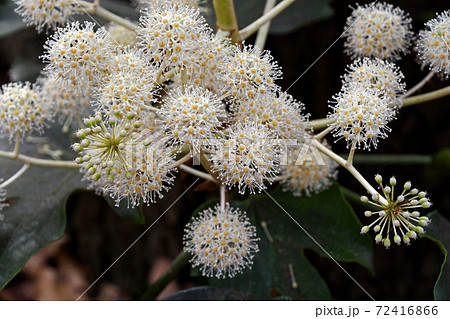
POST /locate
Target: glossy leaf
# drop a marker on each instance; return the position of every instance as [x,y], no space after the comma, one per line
[330,221]
[438,232]
[36,215]
[134,214]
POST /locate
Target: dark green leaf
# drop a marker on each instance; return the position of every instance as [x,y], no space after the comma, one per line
[134,214]
[36,215]
[438,231]
[327,217]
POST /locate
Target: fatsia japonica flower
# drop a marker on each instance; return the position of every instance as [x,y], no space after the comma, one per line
[79,55]
[191,115]
[169,32]
[361,115]
[399,218]
[222,241]
[247,157]
[22,110]
[306,171]
[378,30]
[377,74]
[118,159]
[45,14]
[433,45]
[68,103]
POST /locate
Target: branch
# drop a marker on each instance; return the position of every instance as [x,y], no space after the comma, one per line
[426,97]
[253,27]
[38,161]
[181,261]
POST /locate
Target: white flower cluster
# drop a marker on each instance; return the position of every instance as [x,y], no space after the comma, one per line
[399,216]
[21,110]
[378,30]
[45,14]
[306,171]
[222,101]
[222,242]
[368,101]
[433,45]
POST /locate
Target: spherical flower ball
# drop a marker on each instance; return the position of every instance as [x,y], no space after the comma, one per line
[361,116]
[79,55]
[433,45]
[378,30]
[208,63]
[121,36]
[249,72]
[116,160]
[67,102]
[377,74]
[21,110]
[130,87]
[169,33]
[45,14]
[306,171]
[246,157]
[191,115]
[277,110]
[222,242]
[397,217]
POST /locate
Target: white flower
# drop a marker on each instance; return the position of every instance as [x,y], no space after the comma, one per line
[247,157]
[433,44]
[362,115]
[306,171]
[21,109]
[222,242]
[131,86]
[78,54]
[190,115]
[249,72]
[377,74]
[169,33]
[208,63]
[378,30]
[118,160]
[121,36]
[45,13]
[399,217]
[277,110]
[67,102]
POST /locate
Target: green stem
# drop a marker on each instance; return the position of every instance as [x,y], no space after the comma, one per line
[320,124]
[388,159]
[261,36]
[253,27]
[95,8]
[226,19]
[356,174]
[197,173]
[181,261]
[419,85]
[19,173]
[38,161]
[426,97]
